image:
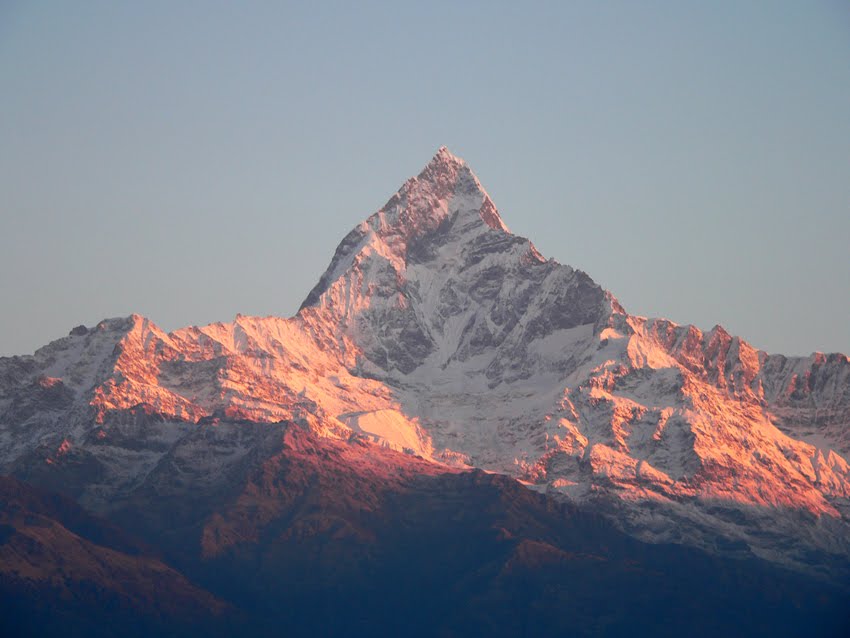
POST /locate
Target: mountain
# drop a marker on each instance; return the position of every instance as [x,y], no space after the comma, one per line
[443,345]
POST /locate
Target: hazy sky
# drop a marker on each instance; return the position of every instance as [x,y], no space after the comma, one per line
[188,161]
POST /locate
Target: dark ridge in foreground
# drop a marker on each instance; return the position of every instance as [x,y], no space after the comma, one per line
[64,572]
[326,538]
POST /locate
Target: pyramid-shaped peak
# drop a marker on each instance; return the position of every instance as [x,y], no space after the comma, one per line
[448,176]
[445,193]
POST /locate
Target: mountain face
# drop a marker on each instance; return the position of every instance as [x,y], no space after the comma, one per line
[437,333]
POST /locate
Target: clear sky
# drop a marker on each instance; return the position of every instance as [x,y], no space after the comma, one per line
[188,161]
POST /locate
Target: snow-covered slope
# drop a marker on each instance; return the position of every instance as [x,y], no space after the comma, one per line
[438,332]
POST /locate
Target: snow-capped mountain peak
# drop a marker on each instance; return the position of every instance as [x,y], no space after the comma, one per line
[445,192]
[436,331]
[448,174]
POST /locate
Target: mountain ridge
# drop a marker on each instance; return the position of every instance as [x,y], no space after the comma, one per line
[437,332]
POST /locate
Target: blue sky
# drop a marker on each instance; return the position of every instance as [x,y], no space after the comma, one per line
[188,161]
